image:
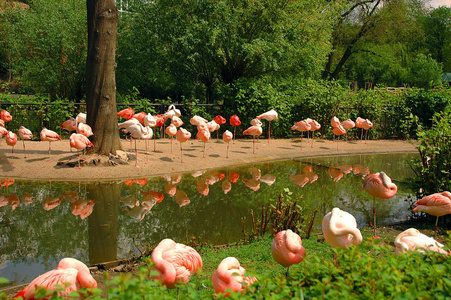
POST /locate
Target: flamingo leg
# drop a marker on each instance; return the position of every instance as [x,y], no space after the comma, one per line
[366,136]
[227,150]
[171,144]
[181,153]
[154,143]
[136,155]
[205,143]
[269,131]
[12,155]
[234,133]
[49,152]
[313,138]
[436,228]
[253,144]
[375,236]
[78,157]
[147,144]
[361,135]
[23,143]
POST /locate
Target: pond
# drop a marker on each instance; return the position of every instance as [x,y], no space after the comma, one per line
[42,222]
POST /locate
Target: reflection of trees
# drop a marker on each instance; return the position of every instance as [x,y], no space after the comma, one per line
[31,235]
[103,222]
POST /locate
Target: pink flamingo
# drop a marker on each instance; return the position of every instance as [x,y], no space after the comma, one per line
[337,131]
[334,122]
[254,130]
[25,134]
[79,142]
[70,275]
[301,126]
[299,179]
[126,113]
[412,240]
[335,174]
[81,118]
[379,185]
[82,208]
[196,120]
[438,204]
[340,229]
[5,116]
[359,124]
[366,125]
[176,121]
[252,183]
[84,129]
[171,130]
[230,275]
[69,125]
[348,124]
[182,136]
[140,117]
[227,136]
[124,125]
[175,262]
[204,136]
[11,140]
[314,126]
[138,131]
[49,136]
[234,121]
[287,249]
[220,120]
[269,116]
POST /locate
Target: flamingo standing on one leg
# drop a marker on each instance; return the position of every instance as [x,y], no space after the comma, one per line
[171,130]
[378,185]
[412,240]
[138,131]
[269,116]
[287,249]
[11,140]
[25,134]
[175,262]
[49,136]
[203,135]
[340,229]
[254,130]
[367,124]
[70,275]
[339,130]
[79,142]
[220,120]
[301,126]
[438,204]
[348,124]
[227,136]
[69,125]
[359,124]
[230,275]
[182,136]
[314,126]
[234,121]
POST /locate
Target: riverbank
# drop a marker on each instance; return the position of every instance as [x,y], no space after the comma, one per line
[34,162]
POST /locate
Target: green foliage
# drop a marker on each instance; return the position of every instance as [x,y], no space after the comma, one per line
[425,103]
[198,46]
[46,46]
[370,270]
[425,72]
[433,169]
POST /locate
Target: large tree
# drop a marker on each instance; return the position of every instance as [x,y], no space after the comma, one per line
[100,75]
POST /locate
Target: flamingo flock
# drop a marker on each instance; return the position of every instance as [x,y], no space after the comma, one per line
[142,126]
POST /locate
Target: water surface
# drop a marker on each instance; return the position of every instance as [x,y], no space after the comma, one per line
[42,222]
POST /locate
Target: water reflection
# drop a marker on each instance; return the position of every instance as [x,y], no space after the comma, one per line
[98,222]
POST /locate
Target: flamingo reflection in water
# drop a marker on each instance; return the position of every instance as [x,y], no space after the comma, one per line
[181,198]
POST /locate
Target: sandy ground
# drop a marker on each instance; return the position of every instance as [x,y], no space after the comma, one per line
[36,164]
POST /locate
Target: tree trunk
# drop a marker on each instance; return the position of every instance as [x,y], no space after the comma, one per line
[100,75]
